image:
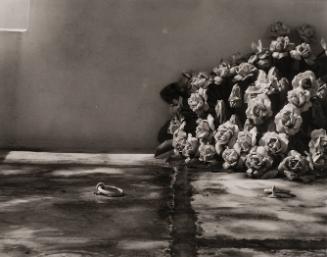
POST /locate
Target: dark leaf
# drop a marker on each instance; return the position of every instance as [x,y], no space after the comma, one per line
[270,174]
[171,92]
[164,147]
[166,156]
[163,134]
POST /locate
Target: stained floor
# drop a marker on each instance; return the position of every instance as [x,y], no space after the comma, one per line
[49,209]
[236,218]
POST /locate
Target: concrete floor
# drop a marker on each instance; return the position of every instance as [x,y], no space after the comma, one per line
[236,218]
[47,208]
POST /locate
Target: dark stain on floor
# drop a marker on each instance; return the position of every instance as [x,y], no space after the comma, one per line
[183,218]
[51,210]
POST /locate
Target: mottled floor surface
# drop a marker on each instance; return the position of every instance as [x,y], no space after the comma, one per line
[236,218]
[47,208]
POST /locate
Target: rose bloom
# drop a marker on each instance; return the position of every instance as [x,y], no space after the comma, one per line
[319,161]
[261,60]
[303,51]
[217,80]
[231,158]
[258,162]
[281,47]
[259,109]
[220,72]
[246,140]
[253,92]
[262,57]
[288,120]
[198,101]
[248,125]
[278,29]
[277,86]
[294,165]
[306,80]
[318,142]
[223,70]
[300,98]
[179,139]
[266,83]
[275,143]
[244,71]
[199,80]
[207,152]
[191,146]
[274,85]
[225,135]
[307,33]
[203,130]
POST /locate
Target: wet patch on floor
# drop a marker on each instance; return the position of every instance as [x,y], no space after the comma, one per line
[51,210]
[184,242]
[233,212]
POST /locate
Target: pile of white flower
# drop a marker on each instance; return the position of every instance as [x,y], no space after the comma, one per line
[264,113]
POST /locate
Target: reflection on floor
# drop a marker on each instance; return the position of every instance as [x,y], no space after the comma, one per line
[47,206]
[236,218]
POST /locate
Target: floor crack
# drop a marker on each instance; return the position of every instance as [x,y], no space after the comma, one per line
[183,217]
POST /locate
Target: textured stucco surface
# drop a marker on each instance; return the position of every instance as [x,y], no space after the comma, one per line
[87,74]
